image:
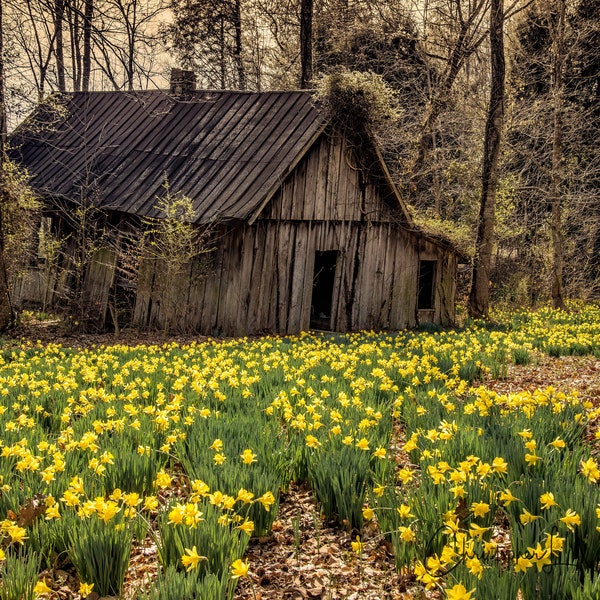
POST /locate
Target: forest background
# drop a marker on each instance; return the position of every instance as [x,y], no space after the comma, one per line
[487,111]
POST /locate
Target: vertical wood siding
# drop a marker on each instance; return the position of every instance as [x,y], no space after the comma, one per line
[261,276]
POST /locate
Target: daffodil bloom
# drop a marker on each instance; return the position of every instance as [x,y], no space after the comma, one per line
[407,534]
[499,465]
[217,445]
[191,558]
[219,458]
[558,443]
[41,587]
[247,527]
[404,511]
[267,500]
[458,491]
[163,480]
[85,589]
[362,444]
[459,592]
[570,519]
[554,543]
[106,510]
[480,509]
[474,566]
[476,531]
[434,564]
[368,514]
[52,512]
[522,564]
[17,534]
[532,459]
[526,517]
[424,576]
[589,468]
[357,546]
[248,457]
[244,496]
[506,497]
[539,557]
[490,548]
[547,501]
[312,441]
[378,490]
[380,453]
[239,568]
[405,475]
[150,503]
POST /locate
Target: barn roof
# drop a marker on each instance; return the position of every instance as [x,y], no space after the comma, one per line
[228,151]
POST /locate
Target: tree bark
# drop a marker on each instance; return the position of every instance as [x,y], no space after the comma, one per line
[479,296]
[239,62]
[306,42]
[87,44]
[59,11]
[557,91]
[6,311]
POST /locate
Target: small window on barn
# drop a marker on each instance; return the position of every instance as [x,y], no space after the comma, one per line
[425,299]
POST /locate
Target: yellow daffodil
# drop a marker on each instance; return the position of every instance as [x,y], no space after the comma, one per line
[480,509]
[368,514]
[191,559]
[41,587]
[540,557]
[526,517]
[459,592]
[571,519]
[407,534]
[248,457]
[239,568]
[357,546]
[85,589]
[522,564]
[547,500]
[312,441]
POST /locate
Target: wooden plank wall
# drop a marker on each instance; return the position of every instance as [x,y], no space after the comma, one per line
[262,280]
[261,276]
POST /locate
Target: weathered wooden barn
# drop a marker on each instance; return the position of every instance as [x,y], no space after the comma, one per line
[309,230]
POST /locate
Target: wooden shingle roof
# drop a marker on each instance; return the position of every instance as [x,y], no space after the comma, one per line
[226,150]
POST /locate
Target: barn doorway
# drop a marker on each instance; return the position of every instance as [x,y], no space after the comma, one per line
[322,292]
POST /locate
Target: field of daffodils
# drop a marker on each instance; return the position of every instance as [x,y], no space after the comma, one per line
[188,449]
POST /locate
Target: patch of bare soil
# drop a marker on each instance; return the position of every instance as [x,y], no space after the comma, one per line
[565,374]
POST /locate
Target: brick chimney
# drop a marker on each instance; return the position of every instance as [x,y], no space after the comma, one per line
[182,83]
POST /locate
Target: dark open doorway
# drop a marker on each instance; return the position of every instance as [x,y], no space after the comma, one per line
[425,299]
[322,292]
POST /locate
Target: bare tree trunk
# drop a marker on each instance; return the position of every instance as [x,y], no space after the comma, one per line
[306,42]
[6,311]
[479,296]
[238,46]
[87,44]
[557,90]
[59,11]
[74,33]
[222,53]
